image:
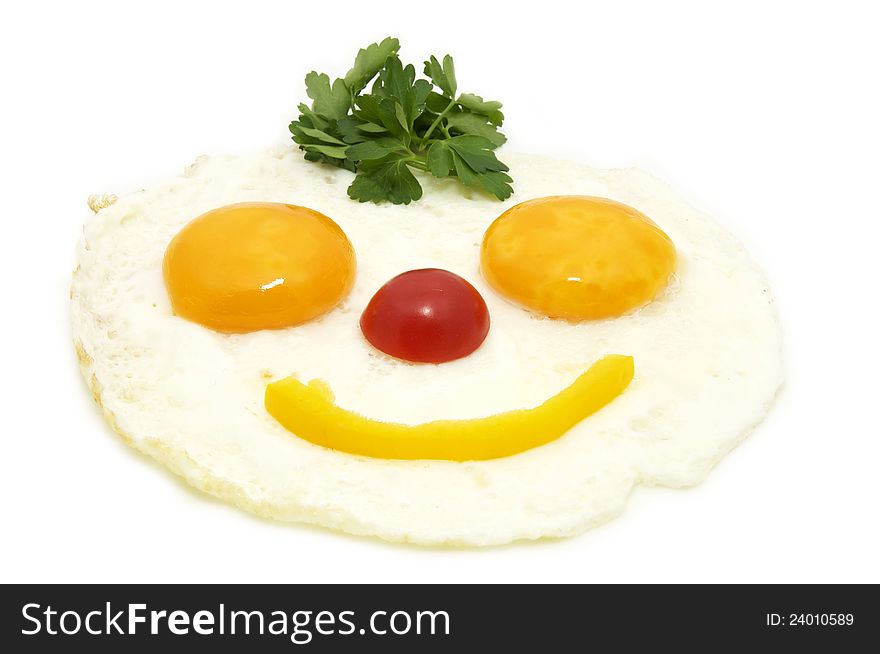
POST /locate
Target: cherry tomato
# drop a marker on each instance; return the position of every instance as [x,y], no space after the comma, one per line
[426,316]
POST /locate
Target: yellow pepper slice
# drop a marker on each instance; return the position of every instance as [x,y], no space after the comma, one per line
[309,411]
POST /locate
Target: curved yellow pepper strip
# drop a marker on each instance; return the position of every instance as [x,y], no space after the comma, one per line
[308,410]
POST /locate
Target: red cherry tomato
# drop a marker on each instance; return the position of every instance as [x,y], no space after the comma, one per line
[426,316]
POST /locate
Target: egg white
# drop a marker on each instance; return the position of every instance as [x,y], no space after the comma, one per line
[707,360]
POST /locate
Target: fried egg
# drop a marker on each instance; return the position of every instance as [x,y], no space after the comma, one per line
[179,352]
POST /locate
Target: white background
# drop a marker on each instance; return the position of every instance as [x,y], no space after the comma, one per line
[764,114]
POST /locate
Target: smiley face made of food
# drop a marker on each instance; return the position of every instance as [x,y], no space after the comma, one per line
[369,334]
[212,347]
[254,266]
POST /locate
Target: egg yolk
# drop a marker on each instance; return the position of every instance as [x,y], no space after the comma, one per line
[577,257]
[258,265]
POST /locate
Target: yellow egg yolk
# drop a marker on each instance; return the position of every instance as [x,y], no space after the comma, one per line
[577,257]
[258,265]
[309,411]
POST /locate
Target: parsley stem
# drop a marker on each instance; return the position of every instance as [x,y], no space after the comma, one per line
[438,119]
[416,162]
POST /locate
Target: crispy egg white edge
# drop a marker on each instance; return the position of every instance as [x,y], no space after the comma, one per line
[663,441]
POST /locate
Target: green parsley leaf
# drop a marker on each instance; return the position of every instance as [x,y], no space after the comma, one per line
[439,159]
[310,119]
[388,178]
[497,184]
[395,80]
[334,151]
[477,152]
[319,135]
[465,122]
[465,173]
[443,75]
[488,108]
[374,149]
[330,101]
[368,62]
[437,103]
[401,124]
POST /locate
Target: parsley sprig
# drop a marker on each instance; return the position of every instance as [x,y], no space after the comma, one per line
[399,124]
